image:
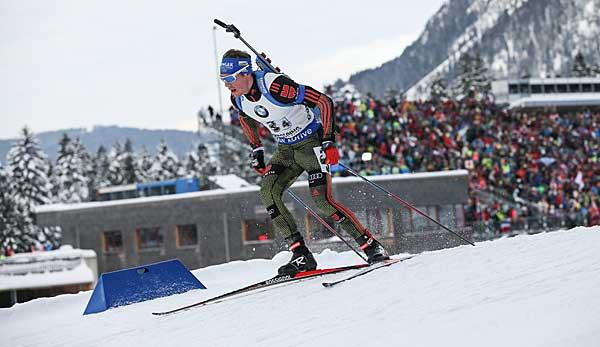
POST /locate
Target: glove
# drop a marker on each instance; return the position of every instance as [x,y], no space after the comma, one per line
[258,161]
[332,156]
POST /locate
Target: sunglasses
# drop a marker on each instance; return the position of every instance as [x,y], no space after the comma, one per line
[232,77]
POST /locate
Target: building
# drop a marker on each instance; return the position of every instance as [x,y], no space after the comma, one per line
[564,93]
[211,227]
[26,276]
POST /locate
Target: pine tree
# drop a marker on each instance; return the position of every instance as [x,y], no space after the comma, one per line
[29,187]
[115,171]
[143,166]
[438,89]
[10,238]
[128,164]
[198,164]
[166,165]
[580,67]
[472,76]
[100,168]
[70,176]
[28,167]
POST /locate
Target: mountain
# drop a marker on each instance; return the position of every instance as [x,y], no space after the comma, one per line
[515,38]
[537,290]
[180,142]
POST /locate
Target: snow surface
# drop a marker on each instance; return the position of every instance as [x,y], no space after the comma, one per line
[537,290]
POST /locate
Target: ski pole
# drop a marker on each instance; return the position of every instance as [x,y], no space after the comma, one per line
[323,222]
[406,204]
[230,28]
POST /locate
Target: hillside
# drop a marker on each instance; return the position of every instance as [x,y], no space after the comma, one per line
[539,290]
[515,38]
[179,141]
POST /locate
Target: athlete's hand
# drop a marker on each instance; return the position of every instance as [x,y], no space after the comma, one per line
[332,156]
[258,161]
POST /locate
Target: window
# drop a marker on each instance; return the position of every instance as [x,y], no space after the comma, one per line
[257,230]
[550,88]
[149,238]
[536,89]
[574,88]
[561,88]
[524,88]
[187,235]
[513,88]
[112,241]
[586,88]
[170,189]
[597,87]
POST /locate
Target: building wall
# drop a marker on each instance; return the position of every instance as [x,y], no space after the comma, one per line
[219,219]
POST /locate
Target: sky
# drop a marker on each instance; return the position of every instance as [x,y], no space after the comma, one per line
[151,64]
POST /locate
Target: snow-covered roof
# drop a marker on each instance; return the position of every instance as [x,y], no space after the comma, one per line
[64,266]
[234,190]
[230,181]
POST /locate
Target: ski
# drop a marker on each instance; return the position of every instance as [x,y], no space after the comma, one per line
[279,279]
[366,270]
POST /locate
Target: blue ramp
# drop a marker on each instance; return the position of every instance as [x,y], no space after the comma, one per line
[125,287]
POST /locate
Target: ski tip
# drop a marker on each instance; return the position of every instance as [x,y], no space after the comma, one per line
[327,284]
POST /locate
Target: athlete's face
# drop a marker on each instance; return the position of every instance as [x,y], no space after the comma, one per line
[241,85]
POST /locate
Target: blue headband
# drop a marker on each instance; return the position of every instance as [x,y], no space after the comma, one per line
[231,65]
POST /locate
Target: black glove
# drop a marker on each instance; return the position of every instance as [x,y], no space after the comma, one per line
[258,161]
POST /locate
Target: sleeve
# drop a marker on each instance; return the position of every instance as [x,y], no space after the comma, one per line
[249,127]
[286,91]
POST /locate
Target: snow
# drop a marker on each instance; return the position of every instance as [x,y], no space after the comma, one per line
[537,290]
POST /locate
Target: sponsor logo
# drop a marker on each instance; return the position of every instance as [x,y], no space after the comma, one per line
[315,176]
[278,279]
[228,65]
[298,137]
[261,111]
[299,261]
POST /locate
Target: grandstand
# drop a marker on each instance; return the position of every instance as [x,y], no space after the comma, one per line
[563,93]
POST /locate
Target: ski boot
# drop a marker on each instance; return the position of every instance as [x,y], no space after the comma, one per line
[302,258]
[372,248]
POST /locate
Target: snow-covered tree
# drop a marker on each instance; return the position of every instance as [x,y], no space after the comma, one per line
[143,165]
[29,186]
[100,168]
[472,75]
[580,66]
[10,236]
[438,89]
[115,171]
[128,164]
[28,168]
[166,165]
[70,174]
[197,162]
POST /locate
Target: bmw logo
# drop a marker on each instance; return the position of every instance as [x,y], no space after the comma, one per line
[261,111]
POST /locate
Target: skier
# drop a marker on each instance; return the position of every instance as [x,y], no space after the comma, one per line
[291,113]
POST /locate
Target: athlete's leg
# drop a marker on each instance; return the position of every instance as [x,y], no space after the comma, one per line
[282,174]
[320,189]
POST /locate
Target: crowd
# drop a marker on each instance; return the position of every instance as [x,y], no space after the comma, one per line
[546,161]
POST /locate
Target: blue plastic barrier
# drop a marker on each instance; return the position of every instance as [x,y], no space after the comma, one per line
[125,287]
